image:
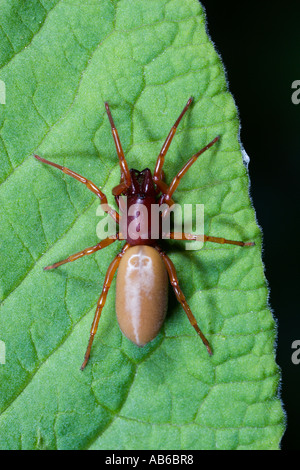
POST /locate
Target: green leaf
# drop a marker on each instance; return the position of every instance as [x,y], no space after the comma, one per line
[59,62]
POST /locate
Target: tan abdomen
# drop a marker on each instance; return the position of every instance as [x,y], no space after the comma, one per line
[141,294]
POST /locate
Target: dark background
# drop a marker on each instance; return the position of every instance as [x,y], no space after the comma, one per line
[259,43]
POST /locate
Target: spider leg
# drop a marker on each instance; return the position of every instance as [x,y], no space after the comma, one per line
[206,238]
[181,298]
[176,180]
[125,173]
[101,302]
[91,186]
[157,176]
[87,251]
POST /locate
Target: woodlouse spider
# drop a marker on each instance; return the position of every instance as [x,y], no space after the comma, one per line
[142,279]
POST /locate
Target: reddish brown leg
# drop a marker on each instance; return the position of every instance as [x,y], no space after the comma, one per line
[176,180]
[206,238]
[125,173]
[157,176]
[181,298]
[91,186]
[86,251]
[101,302]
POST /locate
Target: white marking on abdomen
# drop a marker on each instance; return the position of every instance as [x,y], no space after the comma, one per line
[138,282]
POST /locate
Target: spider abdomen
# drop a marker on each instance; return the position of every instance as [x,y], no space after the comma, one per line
[141,294]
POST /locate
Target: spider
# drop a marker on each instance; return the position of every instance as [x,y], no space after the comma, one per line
[144,268]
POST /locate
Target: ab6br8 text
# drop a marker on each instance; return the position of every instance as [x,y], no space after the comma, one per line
[158,459]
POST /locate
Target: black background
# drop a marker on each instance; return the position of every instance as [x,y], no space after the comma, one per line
[259,43]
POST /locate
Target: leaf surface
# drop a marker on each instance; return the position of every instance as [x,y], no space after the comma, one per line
[60,61]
